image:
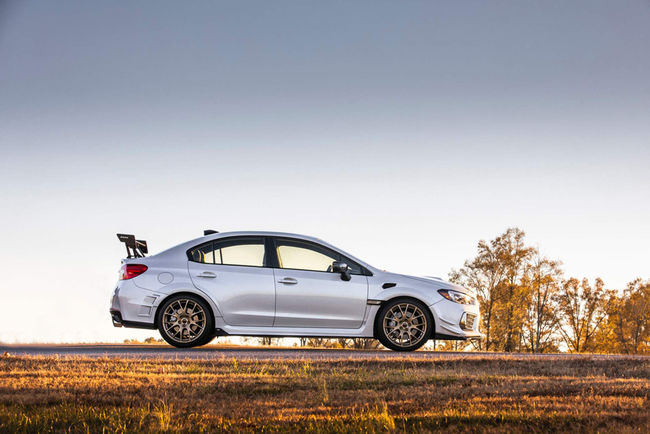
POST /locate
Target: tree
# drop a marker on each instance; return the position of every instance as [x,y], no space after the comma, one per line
[543,279]
[320,342]
[344,342]
[628,319]
[453,345]
[514,293]
[584,309]
[267,341]
[365,344]
[496,274]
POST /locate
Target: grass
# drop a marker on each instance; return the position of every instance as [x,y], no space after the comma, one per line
[457,394]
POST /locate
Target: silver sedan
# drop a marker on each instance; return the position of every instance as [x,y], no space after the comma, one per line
[282,285]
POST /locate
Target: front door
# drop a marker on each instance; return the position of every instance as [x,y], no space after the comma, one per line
[232,272]
[309,294]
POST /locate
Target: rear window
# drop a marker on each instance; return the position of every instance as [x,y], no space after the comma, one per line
[244,251]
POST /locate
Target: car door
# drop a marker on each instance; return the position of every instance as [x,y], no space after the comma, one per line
[309,294]
[233,272]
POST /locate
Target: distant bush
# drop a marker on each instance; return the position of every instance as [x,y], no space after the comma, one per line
[149,340]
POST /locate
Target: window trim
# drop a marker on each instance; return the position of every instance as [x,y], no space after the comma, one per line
[274,255]
[266,259]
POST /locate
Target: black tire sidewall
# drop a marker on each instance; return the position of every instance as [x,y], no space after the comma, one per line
[208,332]
[385,341]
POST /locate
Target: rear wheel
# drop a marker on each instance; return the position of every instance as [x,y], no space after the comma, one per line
[185,321]
[404,324]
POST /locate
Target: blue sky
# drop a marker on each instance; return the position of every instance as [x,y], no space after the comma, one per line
[402,132]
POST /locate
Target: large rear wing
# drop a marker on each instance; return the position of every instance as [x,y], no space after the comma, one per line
[134,248]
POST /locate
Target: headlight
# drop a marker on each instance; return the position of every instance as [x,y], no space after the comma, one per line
[457,297]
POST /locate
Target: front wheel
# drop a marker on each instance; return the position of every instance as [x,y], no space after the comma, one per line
[185,321]
[404,324]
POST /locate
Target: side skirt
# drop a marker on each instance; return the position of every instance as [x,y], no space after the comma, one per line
[363,332]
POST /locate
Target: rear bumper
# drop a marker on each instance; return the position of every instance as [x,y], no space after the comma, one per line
[116,317]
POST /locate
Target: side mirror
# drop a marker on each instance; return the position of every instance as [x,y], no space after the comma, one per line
[343,268]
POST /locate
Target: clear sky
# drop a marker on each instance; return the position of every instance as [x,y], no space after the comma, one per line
[403,132]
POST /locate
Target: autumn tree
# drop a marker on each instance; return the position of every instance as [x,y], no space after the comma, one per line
[322,343]
[344,342]
[514,293]
[453,345]
[583,308]
[496,274]
[629,319]
[267,340]
[365,344]
[543,278]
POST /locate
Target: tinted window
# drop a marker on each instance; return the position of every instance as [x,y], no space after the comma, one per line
[303,258]
[301,255]
[248,251]
[203,254]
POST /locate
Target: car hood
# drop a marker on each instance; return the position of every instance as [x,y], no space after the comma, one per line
[436,283]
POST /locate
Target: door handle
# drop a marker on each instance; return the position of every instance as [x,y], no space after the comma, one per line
[207,274]
[288,281]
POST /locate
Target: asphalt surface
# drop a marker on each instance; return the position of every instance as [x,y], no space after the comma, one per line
[216,353]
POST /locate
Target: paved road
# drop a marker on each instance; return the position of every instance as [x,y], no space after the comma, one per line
[212,353]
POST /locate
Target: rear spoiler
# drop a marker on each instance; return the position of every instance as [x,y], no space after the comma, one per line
[134,248]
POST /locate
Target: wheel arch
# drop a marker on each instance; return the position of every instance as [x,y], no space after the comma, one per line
[403,297]
[174,294]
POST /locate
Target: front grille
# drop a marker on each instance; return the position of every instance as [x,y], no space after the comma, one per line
[467,321]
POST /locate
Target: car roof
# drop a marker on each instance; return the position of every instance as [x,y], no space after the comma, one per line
[261,233]
[189,244]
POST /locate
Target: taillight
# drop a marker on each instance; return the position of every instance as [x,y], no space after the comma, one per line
[129,271]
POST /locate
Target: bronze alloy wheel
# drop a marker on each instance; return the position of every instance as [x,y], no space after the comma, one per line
[185,321]
[404,325]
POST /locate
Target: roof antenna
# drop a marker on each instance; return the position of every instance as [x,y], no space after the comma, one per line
[209,232]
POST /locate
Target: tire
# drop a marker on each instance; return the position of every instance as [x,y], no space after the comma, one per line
[403,324]
[185,321]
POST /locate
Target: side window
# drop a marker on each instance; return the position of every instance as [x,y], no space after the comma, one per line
[299,255]
[250,253]
[246,251]
[303,258]
[204,254]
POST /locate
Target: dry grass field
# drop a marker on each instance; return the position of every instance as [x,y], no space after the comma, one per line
[458,394]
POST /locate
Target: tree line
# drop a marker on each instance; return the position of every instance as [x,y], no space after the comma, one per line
[338,343]
[527,304]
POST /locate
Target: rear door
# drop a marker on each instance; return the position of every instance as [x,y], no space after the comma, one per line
[233,272]
[309,294]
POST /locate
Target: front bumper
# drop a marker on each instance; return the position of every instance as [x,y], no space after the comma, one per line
[456,321]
